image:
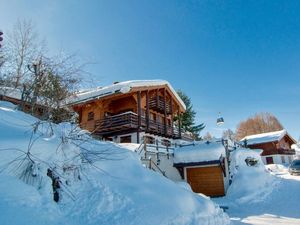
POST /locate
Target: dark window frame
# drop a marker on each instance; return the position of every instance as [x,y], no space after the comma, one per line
[91,116]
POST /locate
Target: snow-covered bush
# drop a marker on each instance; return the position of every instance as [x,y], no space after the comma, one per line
[250,184]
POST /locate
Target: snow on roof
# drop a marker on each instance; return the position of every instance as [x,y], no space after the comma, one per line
[11,92]
[121,87]
[200,152]
[264,137]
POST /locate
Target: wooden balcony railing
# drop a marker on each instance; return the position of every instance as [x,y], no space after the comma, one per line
[280,151]
[159,105]
[129,121]
[120,122]
[160,129]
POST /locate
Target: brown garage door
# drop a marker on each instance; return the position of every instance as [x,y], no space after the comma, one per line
[206,180]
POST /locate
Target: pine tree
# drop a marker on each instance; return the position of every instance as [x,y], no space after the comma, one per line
[188,117]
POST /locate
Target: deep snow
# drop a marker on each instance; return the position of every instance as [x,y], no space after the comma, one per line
[261,194]
[101,183]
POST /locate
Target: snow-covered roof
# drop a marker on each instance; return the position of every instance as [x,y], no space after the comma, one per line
[200,152]
[264,137]
[121,87]
[11,92]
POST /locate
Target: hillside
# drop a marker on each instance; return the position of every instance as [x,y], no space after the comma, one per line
[99,182]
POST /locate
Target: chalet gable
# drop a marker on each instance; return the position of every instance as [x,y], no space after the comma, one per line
[267,138]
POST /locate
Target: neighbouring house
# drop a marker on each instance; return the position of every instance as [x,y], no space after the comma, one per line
[131,111]
[14,95]
[204,166]
[276,146]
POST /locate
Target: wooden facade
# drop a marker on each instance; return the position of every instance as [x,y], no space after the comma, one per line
[144,109]
[39,110]
[278,147]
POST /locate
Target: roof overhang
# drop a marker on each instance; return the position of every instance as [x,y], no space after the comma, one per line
[190,164]
[122,88]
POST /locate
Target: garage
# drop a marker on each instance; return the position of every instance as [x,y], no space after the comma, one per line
[204,166]
[206,180]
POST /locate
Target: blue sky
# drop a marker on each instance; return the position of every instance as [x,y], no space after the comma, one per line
[236,57]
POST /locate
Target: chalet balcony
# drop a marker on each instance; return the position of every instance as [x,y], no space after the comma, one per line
[117,123]
[158,105]
[160,129]
[128,121]
[280,151]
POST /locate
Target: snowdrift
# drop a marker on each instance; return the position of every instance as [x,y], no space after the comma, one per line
[250,184]
[99,182]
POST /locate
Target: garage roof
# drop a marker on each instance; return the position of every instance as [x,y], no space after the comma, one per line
[199,152]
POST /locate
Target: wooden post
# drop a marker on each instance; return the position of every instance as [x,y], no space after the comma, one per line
[157,151]
[157,98]
[139,111]
[147,111]
[179,122]
[165,112]
[172,116]
[145,147]
[168,151]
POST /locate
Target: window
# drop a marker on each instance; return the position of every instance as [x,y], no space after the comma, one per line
[290,159]
[269,160]
[90,116]
[125,139]
[283,159]
[41,111]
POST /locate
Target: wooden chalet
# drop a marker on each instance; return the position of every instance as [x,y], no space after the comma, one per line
[276,146]
[14,96]
[128,111]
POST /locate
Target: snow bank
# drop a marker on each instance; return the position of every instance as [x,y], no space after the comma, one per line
[199,152]
[23,204]
[100,183]
[250,184]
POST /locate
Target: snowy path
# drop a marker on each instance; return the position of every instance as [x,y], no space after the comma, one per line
[282,206]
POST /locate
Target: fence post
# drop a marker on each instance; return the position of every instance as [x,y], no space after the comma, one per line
[145,147]
[168,151]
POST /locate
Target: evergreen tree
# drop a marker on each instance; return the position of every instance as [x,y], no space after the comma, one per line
[188,118]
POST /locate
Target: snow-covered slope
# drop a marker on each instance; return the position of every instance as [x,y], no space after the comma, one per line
[261,194]
[100,183]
